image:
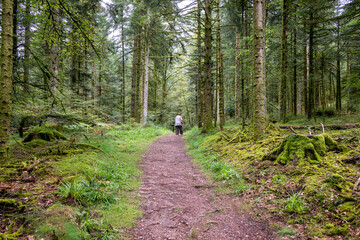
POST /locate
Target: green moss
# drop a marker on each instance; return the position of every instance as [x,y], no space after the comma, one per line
[349,210]
[298,148]
[332,230]
[43,133]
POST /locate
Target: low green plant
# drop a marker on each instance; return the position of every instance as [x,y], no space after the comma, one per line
[295,203]
[286,231]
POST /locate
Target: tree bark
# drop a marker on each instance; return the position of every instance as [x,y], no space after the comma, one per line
[199,83]
[338,71]
[207,121]
[259,115]
[123,102]
[146,77]
[311,99]
[27,23]
[133,78]
[6,74]
[237,77]
[283,85]
[220,77]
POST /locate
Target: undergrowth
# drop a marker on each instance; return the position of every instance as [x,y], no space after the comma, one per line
[94,199]
[315,198]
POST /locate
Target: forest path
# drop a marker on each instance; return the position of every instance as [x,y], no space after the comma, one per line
[180,203]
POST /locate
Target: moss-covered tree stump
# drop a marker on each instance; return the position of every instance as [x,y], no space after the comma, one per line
[297,148]
[43,134]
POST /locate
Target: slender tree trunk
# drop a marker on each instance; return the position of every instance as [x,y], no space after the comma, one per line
[259,82]
[220,71]
[207,118]
[311,68]
[199,85]
[139,78]
[295,80]
[27,23]
[283,84]
[123,100]
[6,73]
[99,87]
[323,90]
[164,91]
[146,78]
[237,77]
[93,97]
[15,36]
[247,73]
[338,71]
[133,79]
[306,72]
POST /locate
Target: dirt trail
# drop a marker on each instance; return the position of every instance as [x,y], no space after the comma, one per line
[180,203]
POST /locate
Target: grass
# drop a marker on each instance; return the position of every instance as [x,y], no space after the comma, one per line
[214,166]
[95,195]
[295,203]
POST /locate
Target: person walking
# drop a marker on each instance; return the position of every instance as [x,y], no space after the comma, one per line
[178,124]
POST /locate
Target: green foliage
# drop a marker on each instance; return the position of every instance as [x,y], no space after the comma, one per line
[295,203]
[286,231]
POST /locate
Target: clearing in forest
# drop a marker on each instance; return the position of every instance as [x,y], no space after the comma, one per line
[180,203]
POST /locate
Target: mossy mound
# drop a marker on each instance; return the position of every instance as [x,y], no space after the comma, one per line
[43,133]
[297,148]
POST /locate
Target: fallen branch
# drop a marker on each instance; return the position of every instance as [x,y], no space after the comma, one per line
[293,130]
[330,126]
[356,185]
[35,164]
[351,160]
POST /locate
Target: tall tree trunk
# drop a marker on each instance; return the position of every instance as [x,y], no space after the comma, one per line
[323,90]
[27,23]
[164,91]
[247,73]
[207,118]
[295,80]
[237,77]
[311,101]
[146,77]
[15,36]
[259,82]
[306,71]
[220,71]
[6,72]
[199,82]
[123,100]
[283,85]
[242,68]
[133,78]
[338,71]
[139,78]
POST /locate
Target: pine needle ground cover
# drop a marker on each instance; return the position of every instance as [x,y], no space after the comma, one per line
[82,185]
[300,195]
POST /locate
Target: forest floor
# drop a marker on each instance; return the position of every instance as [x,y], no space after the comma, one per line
[179,202]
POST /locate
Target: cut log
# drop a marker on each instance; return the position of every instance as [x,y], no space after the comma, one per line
[330,126]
